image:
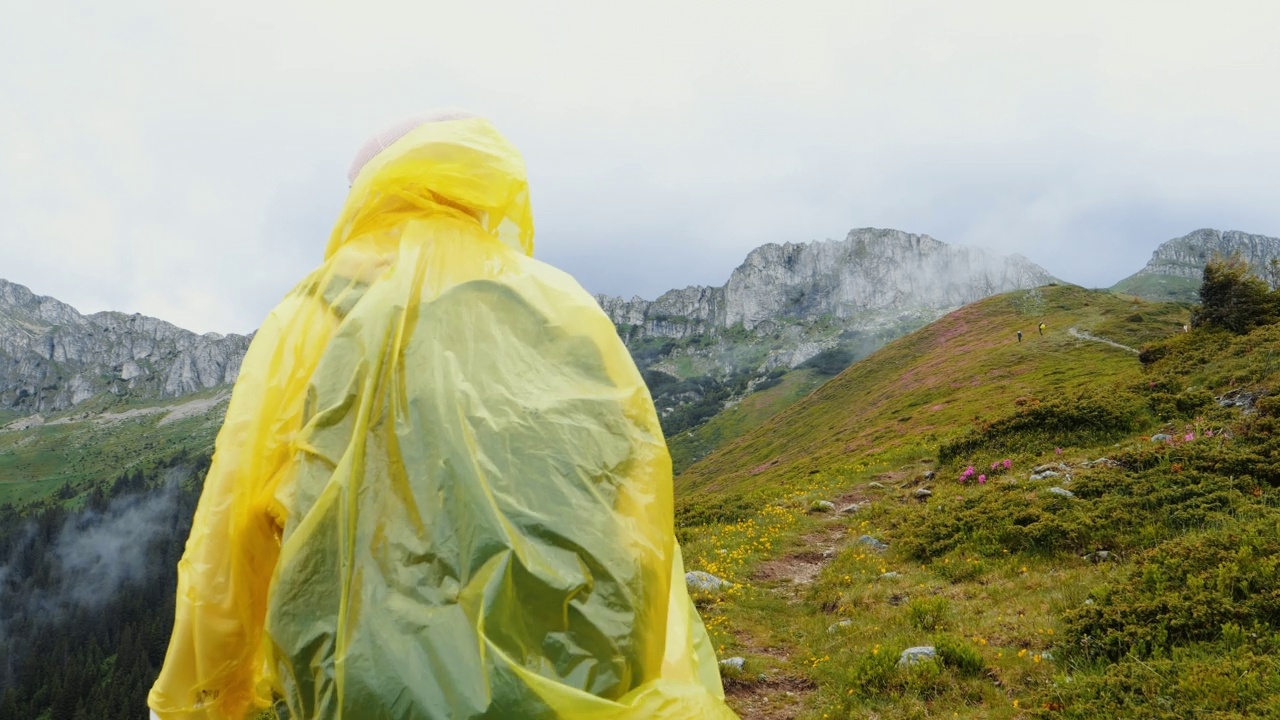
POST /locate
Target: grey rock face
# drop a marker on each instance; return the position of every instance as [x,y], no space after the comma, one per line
[1063,492]
[870,276]
[52,357]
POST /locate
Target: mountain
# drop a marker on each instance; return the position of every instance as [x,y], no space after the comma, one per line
[818,305]
[53,358]
[870,278]
[1176,266]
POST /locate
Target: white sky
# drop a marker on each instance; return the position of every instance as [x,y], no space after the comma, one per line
[186,159]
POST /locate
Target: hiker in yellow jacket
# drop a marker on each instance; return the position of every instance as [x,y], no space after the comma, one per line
[441,490]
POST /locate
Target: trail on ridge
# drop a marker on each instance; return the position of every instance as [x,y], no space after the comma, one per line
[1085,335]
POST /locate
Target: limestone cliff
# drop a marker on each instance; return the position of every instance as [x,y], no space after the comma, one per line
[52,357]
[870,278]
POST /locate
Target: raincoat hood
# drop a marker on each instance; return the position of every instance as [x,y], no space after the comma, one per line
[463,167]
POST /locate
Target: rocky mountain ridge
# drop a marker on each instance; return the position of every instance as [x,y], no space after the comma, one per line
[782,306]
[1175,268]
[53,358]
[870,274]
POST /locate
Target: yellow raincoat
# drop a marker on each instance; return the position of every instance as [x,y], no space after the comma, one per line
[441,490]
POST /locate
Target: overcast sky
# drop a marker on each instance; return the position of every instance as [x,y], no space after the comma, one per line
[186,159]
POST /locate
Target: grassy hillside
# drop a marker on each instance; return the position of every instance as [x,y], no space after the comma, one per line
[751,412]
[1163,288]
[964,368]
[1145,585]
[64,454]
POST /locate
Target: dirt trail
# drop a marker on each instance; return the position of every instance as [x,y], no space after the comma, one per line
[778,698]
[1085,335]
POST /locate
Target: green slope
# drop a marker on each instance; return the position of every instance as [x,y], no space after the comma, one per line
[1003,578]
[752,411]
[938,381]
[99,440]
[1160,288]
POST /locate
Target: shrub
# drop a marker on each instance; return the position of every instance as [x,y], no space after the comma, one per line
[1181,592]
[874,672]
[1232,298]
[959,656]
[929,614]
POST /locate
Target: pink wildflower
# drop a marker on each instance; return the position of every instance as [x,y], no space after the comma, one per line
[982,479]
[1189,437]
[1008,463]
[995,465]
[1208,433]
[1058,450]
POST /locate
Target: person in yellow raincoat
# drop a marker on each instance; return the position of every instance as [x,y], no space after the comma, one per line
[441,490]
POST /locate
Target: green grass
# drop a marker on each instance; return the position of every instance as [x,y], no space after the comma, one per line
[1003,578]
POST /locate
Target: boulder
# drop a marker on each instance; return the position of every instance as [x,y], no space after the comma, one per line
[699,581]
[913,655]
[1048,467]
[736,663]
[872,543]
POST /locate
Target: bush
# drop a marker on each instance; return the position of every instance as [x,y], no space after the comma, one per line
[1196,682]
[874,672]
[959,656]
[929,614]
[1184,591]
[1234,299]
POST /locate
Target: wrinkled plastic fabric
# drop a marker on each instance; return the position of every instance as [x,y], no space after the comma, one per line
[441,489]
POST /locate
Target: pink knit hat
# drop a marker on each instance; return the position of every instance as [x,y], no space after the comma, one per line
[387,137]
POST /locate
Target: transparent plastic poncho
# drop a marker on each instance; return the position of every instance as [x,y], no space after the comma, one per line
[441,489]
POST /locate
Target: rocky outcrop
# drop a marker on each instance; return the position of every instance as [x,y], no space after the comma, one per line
[1176,267]
[52,357]
[860,281]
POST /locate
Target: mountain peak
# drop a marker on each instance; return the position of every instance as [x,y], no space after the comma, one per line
[1175,268]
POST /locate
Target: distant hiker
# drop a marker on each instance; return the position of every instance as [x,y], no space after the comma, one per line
[441,489]
[1019,336]
[1041,328]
